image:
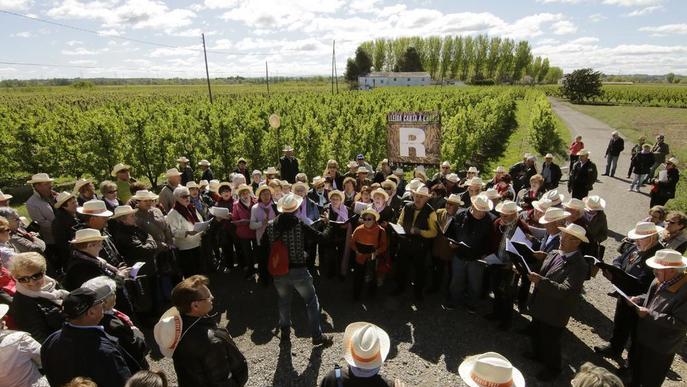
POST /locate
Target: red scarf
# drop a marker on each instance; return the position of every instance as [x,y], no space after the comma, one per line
[189,213]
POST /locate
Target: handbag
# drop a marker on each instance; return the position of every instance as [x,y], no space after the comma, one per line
[278,260]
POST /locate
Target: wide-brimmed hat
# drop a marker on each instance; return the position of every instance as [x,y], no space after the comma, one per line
[118,168]
[123,210]
[421,170]
[482,203]
[583,152]
[225,184]
[490,369]
[213,186]
[389,183]
[507,207]
[500,169]
[473,170]
[352,164]
[574,204]
[398,171]
[348,180]
[421,190]
[673,160]
[370,211]
[202,184]
[446,164]
[318,181]
[244,187]
[366,345]
[87,235]
[452,177]
[80,184]
[554,196]
[182,159]
[667,259]
[40,178]
[62,198]
[454,199]
[548,156]
[241,160]
[256,172]
[168,331]
[336,192]
[413,185]
[553,214]
[172,173]
[262,188]
[575,230]
[289,203]
[644,230]
[362,170]
[300,184]
[4,308]
[220,212]
[380,191]
[542,204]
[475,181]
[594,203]
[4,197]
[287,148]
[94,207]
[204,163]
[192,184]
[144,194]
[394,178]
[271,171]
[492,193]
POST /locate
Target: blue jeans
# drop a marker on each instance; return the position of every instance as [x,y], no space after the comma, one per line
[637,181]
[611,164]
[300,280]
[466,281]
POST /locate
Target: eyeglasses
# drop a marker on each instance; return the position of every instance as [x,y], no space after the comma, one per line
[113,191]
[29,278]
[185,196]
[368,219]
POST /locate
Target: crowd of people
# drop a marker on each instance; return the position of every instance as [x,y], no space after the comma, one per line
[89,270]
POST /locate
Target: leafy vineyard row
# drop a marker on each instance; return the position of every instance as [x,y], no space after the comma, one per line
[86,134]
[635,95]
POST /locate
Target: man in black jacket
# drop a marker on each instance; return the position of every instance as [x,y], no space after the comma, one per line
[551,172]
[204,354]
[82,348]
[615,145]
[186,170]
[288,165]
[582,176]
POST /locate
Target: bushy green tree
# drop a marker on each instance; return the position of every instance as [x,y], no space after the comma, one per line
[581,84]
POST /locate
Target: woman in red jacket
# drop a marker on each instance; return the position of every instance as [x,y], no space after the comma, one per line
[240,217]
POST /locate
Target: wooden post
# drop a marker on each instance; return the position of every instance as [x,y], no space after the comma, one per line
[267,78]
[207,72]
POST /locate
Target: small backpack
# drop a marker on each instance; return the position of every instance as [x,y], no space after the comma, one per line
[278,260]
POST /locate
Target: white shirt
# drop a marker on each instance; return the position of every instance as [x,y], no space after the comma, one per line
[20,357]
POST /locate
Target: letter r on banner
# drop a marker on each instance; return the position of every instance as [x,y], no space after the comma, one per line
[411,138]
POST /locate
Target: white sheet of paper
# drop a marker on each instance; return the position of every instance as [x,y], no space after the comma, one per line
[135,268]
[359,207]
[663,176]
[398,228]
[519,236]
[492,259]
[201,226]
[512,249]
[625,296]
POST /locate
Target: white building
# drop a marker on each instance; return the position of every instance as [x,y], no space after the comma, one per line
[381,79]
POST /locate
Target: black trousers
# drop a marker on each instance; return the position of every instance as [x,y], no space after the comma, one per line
[624,323]
[189,262]
[359,284]
[546,344]
[413,256]
[501,283]
[523,292]
[649,368]
[573,160]
[440,269]
[580,193]
[333,252]
[658,199]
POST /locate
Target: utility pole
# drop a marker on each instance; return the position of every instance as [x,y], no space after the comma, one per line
[332,67]
[267,78]
[336,75]
[207,72]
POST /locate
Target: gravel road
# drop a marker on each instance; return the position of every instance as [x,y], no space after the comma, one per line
[429,343]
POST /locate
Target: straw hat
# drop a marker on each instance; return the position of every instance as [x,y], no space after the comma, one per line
[287,148]
[667,259]
[548,156]
[94,207]
[446,164]
[168,331]
[4,197]
[554,196]
[452,177]
[500,169]
[241,160]
[421,170]
[213,186]
[507,207]
[575,230]
[192,184]
[220,212]
[172,173]
[244,187]
[80,184]
[421,190]
[398,171]
[366,345]
[574,204]
[271,171]
[256,172]
[262,188]
[389,184]
[123,210]
[542,204]
[644,230]
[144,194]
[583,152]
[204,163]
[594,203]
[475,181]
[348,180]
[337,193]
[289,203]
[454,199]
[118,168]
[482,203]
[318,181]
[413,185]
[202,184]
[352,164]
[362,170]
[300,184]
[490,369]
[40,178]
[370,211]
[182,159]
[492,193]
[473,170]
[674,161]
[380,191]
[4,308]
[394,178]
[87,235]
[553,214]
[62,198]
[228,184]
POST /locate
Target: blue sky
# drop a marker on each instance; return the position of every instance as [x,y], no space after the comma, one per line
[295,37]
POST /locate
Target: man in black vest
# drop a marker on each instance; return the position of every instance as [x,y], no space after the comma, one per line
[582,176]
[551,172]
[420,224]
[288,165]
[615,146]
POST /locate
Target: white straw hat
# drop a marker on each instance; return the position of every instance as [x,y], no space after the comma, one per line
[574,204]
[144,194]
[380,191]
[168,331]
[475,181]
[118,168]
[87,235]
[370,211]
[542,204]
[172,173]
[644,230]
[40,178]
[94,207]
[490,369]
[412,186]
[366,345]
[192,184]
[583,152]
[500,169]
[452,177]
[214,186]
[182,159]
[62,198]
[553,214]
[575,230]
[289,203]
[204,163]
[123,210]
[421,190]
[482,203]
[271,171]
[492,193]
[594,203]
[554,196]
[362,170]
[244,187]
[667,259]
[508,207]
[80,184]
[473,170]
[336,192]
[4,197]
[455,199]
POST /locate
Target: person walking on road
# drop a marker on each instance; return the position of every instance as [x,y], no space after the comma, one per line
[582,176]
[615,146]
[660,151]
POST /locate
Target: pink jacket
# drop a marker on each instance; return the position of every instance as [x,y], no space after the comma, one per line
[240,216]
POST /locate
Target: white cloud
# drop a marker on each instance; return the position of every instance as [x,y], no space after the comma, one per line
[363,6]
[632,3]
[597,17]
[23,34]
[271,14]
[82,51]
[15,5]
[644,11]
[563,27]
[667,29]
[83,62]
[72,43]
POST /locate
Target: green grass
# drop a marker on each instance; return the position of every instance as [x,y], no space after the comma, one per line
[634,122]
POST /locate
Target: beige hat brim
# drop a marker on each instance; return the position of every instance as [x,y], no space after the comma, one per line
[370,212]
[651,262]
[490,204]
[632,234]
[170,322]
[121,168]
[298,199]
[89,239]
[466,367]
[547,221]
[581,237]
[151,197]
[384,346]
[133,211]
[104,214]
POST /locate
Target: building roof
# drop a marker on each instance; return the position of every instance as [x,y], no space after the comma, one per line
[388,74]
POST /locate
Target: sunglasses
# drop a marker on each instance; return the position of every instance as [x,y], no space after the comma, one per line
[368,219]
[185,196]
[29,278]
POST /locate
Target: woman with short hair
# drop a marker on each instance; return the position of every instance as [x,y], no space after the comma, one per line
[675,236]
[109,191]
[535,191]
[36,307]
[6,250]
[22,240]
[181,220]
